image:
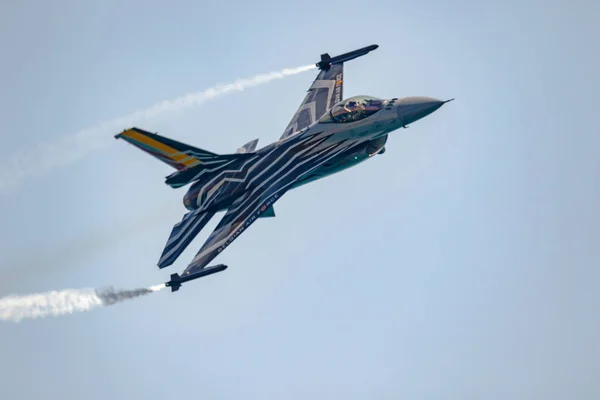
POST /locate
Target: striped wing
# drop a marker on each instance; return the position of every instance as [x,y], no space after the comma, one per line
[260,197]
[323,94]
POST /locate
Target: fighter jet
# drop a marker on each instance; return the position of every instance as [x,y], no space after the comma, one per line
[326,135]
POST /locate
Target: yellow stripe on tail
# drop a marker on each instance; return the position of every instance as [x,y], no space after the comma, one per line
[176,154]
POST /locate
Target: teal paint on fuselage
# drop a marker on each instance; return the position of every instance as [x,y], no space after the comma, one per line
[328,170]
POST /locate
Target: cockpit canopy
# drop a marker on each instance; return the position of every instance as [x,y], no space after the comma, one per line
[353,109]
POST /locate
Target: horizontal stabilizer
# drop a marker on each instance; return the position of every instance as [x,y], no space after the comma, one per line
[178,155]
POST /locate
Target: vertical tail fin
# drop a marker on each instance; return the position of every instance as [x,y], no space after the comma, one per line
[248,147]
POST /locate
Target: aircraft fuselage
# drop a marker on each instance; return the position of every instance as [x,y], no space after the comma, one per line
[344,143]
[327,134]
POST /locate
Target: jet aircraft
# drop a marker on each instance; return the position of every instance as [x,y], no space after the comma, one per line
[326,135]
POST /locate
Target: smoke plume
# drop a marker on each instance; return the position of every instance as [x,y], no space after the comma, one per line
[70,148]
[55,303]
[110,296]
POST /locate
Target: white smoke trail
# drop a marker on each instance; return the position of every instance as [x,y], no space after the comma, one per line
[70,148]
[55,303]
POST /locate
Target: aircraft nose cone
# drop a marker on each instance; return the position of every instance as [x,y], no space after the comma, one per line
[411,109]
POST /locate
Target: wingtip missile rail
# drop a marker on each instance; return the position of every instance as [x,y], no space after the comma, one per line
[176,280]
[327,61]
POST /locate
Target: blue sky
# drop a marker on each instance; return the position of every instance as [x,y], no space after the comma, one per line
[463,263]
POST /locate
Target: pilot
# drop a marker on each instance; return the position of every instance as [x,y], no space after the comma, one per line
[350,105]
[354,110]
